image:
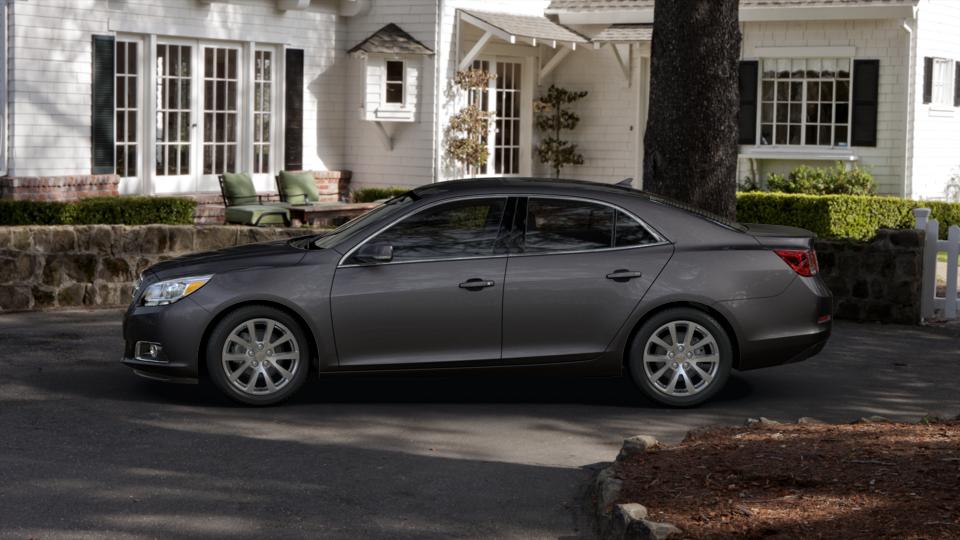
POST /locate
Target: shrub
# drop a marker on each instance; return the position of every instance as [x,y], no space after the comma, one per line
[840,216]
[100,210]
[836,180]
[375,194]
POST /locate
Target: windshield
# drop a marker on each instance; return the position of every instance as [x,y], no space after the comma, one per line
[710,216]
[392,206]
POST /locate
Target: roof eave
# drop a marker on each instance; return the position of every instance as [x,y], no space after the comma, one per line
[748,14]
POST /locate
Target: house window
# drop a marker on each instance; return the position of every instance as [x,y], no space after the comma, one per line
[220,110]
[262,108]
[127,104]
[174,68]
[943,80]
[805,101]
[394,83]
[502,100]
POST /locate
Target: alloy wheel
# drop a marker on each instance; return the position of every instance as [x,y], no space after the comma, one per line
[260,356]
[681,358]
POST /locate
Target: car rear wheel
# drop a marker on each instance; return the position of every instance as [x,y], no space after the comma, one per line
[258,355]
[681,357]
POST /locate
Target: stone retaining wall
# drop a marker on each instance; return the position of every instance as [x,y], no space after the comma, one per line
[95,265]
[877,280]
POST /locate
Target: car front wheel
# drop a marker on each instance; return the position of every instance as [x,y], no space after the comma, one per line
[681,357]
[258,355]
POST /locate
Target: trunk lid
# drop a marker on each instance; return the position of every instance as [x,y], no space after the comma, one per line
[780,236]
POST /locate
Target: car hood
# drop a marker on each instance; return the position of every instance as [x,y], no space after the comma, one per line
[277,253]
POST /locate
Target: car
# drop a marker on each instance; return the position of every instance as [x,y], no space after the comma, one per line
[522,275]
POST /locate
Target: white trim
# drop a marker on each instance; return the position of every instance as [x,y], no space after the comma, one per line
[4,98]
[474,51]
[747,14]
[139,25]
[795,153]
[385,80]
[801,52]
[553,63]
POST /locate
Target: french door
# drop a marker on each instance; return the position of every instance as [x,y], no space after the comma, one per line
[214,111]
[508,98]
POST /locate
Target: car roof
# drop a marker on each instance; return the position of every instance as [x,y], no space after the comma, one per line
[523,184]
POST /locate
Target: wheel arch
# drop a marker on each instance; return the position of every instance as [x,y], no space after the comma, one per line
[226,310]
[706,309]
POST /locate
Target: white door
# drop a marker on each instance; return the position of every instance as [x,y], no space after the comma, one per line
[508,98]
[220,129]
[175,155]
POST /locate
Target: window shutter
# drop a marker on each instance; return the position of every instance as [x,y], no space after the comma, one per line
[293,133]
[956,84]
[749,71]
[866,79]
[927,79]
[102,83]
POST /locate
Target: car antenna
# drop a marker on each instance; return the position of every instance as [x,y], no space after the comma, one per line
[626,182]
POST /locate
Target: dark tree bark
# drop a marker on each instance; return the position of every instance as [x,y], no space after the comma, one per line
[690,146]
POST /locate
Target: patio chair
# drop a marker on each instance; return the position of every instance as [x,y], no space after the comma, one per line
[297,187]
[245,207]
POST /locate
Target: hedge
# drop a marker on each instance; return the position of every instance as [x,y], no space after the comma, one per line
[840,216]
[373,194]
[100,210]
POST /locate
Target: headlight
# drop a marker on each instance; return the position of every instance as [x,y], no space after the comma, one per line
[168,292]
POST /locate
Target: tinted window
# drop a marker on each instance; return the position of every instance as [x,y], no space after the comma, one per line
[629,232]
[458,229]
[562,225]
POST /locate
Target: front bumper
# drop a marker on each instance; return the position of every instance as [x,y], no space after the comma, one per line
[786,328]
[178,328]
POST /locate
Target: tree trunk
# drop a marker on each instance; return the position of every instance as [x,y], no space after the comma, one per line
[690,146]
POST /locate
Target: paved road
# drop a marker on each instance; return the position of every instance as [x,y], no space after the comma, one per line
[88,450]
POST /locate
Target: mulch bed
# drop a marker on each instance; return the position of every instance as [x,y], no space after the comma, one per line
[863,480]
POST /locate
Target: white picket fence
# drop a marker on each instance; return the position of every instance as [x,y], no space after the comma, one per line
[931,304]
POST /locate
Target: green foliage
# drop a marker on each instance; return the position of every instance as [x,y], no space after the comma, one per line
[373,194]
[551,119]
[100,210]
[840,216]
[836,180]
[466,134]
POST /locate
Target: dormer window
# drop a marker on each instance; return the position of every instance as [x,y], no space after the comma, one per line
[394,90]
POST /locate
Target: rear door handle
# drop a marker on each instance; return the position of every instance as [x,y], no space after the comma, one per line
[624,275]
[476,284]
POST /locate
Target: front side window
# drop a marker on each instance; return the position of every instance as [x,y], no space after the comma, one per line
[394,82]
[943,80]
[457,229]
[805,101]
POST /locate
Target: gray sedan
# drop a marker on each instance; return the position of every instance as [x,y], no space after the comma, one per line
[521,275]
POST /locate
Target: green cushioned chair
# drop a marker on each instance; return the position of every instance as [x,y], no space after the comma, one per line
[297,187]
[245,207]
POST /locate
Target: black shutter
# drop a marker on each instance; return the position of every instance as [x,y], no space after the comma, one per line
[866,79]
[927,79]
[102,134]
[749,70]
[956,84]
[293,134]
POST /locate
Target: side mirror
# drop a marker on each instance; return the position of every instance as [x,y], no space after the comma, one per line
[374,253]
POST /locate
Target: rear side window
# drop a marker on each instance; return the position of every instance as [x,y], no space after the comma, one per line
[629,232]
[467,228]
[564,225]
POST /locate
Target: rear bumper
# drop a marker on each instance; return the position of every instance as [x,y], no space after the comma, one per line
[787,328]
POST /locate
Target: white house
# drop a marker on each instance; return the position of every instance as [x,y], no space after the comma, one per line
[167,95]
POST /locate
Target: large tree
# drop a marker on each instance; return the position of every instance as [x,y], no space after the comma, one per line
[690,146]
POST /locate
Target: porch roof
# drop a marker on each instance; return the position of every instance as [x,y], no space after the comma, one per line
[557,6]
[391,39]
[511,27]
[624,33]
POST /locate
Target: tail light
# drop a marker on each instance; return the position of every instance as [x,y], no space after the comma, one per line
[803,261]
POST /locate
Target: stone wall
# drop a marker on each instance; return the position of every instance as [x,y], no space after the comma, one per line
[877,280]
[95,265]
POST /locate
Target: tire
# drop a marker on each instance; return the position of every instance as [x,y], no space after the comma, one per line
[256,373]
[668,371]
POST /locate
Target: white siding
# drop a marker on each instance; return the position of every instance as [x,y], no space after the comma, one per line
[936,134]
[883,40]
[50,70]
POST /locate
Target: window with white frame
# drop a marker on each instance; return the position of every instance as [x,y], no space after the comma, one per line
[262,111]
[805,102]
[126,92]
[394,82]
[943,80]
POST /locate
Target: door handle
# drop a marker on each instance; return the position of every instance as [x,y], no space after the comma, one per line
[623,275]
[476,284]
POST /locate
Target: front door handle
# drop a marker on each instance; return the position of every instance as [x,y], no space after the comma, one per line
[476,284]
[624,275]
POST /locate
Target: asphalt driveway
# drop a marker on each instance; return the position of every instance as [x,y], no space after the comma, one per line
[88,450]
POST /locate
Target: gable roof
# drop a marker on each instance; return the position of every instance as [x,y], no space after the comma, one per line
[526,26]
[557,6]
[391,39]
[624,33]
